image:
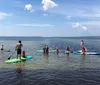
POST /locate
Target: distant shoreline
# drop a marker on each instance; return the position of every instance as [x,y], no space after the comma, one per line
[26,38]
[48,37]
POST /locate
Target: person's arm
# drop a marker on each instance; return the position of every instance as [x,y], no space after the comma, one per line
[21,45]
[15,47]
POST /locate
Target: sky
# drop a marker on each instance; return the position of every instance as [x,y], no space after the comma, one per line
[50,18]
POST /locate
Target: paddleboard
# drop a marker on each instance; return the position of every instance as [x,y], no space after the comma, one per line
[67,52]
[87,53]
[16,60]
[5,50]
[50,51]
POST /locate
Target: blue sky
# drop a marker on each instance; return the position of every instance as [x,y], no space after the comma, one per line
[50,18]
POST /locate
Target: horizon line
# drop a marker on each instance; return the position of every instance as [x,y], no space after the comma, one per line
[49,36]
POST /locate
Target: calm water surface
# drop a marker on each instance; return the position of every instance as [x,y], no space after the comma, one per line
[51,69]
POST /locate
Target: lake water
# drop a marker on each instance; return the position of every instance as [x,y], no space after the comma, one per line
[51,69]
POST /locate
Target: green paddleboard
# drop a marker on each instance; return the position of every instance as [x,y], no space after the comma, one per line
[15,60]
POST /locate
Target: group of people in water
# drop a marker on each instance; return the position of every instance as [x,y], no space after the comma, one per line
[83,49]
[45,49]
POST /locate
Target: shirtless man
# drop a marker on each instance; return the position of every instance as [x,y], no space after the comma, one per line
[18,48]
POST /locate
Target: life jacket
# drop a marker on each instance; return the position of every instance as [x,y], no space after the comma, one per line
[83,50]
[67,49]
[57,49]
[23,54]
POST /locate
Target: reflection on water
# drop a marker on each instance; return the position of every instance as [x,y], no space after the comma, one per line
[83,58]
[1,57]
[46,58]
[57,53]
[20,66]
[67,56]
[20,73]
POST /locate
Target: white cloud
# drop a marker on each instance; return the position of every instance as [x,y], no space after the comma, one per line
[84,27]
[45,14]
[68,17]
[78,25]
[92,24]
[36,25]
[48,4]
[2,15]
[29,7]
[77,10]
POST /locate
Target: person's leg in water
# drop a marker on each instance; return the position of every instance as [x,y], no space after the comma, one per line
[17,56]
[20,56]
[19,53]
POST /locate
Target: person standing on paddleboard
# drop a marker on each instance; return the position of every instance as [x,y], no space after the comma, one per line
[18,48]
[82,43]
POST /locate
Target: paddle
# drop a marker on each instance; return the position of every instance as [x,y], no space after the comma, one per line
[6,50]
[11,55]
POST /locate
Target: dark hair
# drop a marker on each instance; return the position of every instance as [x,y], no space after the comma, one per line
[82,40]
[19,41]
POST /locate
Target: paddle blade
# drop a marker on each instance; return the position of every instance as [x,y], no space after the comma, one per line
[9,58]
[7,50]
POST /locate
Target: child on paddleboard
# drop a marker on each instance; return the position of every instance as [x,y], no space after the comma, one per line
[82,43]
[23,54]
